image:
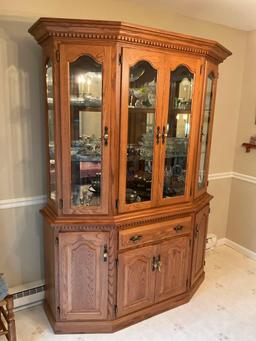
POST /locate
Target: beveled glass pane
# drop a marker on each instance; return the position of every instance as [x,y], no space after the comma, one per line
[205,131]
[178,132]
[51,141]
[141,122]
[86,128]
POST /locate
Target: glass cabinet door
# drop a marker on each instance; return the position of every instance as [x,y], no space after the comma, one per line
[141,102]
[176,156]
[52,185]
[88,147]
[206,127]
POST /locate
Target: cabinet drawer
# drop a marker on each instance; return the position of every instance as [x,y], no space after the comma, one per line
[140,235]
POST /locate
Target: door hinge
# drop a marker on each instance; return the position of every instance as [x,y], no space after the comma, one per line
[204,262]
[115,309]
[201,69]
[190,190]
[117,262]
[190,242]
[57,241]
[117,203]
[120,58]
[57,54]
[60,203]
[58,309]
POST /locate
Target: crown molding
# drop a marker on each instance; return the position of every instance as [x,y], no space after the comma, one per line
[115,31]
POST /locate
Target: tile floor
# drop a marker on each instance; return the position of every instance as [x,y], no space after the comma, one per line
[224,308]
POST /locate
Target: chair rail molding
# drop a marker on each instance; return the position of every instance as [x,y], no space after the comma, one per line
[21,202]
[233,175]
[41,199]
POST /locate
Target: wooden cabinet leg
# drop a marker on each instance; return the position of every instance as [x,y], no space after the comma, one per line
[10,319]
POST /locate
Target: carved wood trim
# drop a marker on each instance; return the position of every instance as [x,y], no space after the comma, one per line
[111,274]
[45,28]
[81,228]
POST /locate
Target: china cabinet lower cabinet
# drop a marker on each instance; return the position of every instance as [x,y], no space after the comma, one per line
[129,117]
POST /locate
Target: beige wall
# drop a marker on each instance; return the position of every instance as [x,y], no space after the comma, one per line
[21,244]
[21,148]
[242,210]
[242,214]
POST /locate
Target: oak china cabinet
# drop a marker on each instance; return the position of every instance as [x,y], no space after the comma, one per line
[129,113]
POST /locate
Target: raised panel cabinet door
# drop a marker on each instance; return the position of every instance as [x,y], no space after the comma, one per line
[141,108]
[83,280]
[86,88]
[173,266]
[200,233]
[136,280]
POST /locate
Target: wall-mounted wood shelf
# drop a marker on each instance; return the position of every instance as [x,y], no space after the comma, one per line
[248,147]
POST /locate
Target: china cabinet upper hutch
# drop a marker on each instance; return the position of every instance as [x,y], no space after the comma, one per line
[129,114]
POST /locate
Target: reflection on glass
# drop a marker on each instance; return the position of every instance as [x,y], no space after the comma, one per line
[50,108]
[205,131]
[141,121]
[178,131]
[86,115]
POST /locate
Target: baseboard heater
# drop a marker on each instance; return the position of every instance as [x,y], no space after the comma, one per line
[28,295]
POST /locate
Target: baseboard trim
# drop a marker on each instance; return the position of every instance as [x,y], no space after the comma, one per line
[241,249]
[221,241]
[237,247]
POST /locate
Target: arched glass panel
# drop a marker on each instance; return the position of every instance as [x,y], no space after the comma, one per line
[86,130]
[51,128]
[205,131]
[177,132]
[141,122]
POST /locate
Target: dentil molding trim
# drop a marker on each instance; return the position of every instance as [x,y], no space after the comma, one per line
[41,199]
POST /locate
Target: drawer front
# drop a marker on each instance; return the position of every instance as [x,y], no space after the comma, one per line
[145,234]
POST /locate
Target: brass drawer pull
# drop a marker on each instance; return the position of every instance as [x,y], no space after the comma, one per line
[178,228]
[136,238]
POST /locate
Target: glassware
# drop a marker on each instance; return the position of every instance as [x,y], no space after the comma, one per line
[51,128]
[205,131]
[178,132]
[86,127]
[141,121]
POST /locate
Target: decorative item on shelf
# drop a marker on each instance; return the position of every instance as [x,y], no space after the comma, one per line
[87,148]
[95,187]
[145,96]
[251,144]
[146,146]
[131,196]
